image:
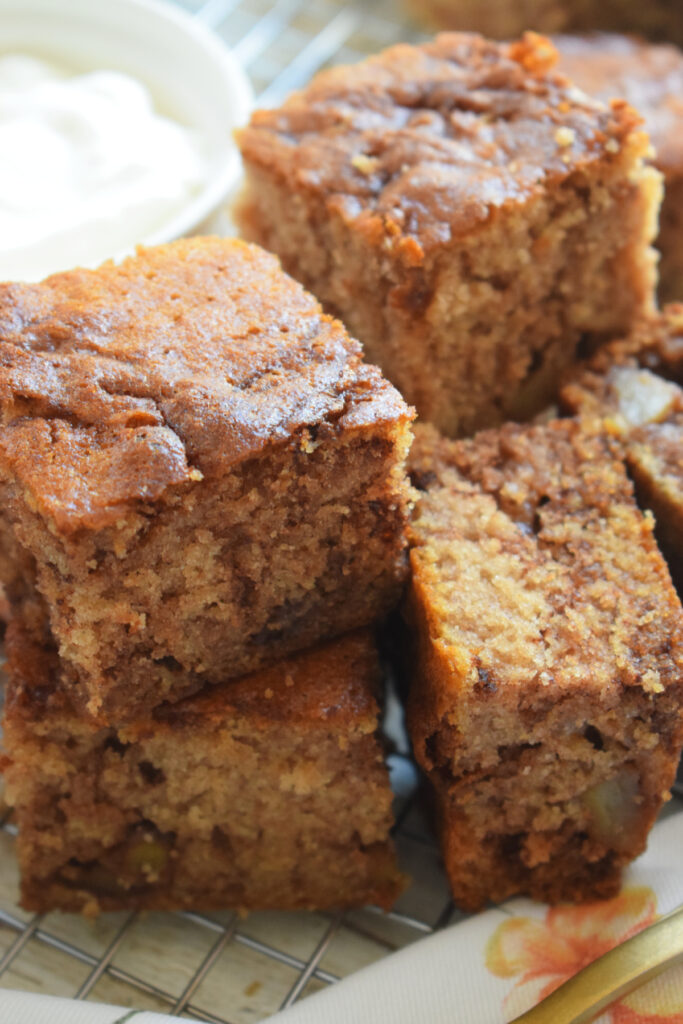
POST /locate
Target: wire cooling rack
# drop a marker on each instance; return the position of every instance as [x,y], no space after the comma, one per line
[219,967]
[281,43]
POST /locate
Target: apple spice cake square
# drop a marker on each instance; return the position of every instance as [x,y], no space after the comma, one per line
[547,691]
[468,213]
[198,472]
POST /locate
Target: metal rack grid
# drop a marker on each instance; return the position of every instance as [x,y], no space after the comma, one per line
[219,967]
[282,43]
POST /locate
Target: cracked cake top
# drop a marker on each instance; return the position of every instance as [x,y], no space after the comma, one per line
[173,366]
[421,143]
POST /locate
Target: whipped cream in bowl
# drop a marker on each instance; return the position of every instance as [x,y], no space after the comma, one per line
[96,158]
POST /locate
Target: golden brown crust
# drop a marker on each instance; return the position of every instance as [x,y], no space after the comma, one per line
[420,144]
[649,76]
[120,383]
[469,214]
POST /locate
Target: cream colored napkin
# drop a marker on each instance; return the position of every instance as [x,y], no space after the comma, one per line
[485,970]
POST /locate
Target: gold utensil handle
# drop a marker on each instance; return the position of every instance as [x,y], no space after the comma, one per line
[623,969]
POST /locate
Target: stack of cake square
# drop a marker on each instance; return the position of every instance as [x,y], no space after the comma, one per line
[200,479]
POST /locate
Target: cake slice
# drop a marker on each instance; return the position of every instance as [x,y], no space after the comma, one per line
[268,792]
[634,385]
[548,661]
[650,77]
[469,214]
[198,472]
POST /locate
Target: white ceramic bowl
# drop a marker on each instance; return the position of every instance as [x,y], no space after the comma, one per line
[192,76]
